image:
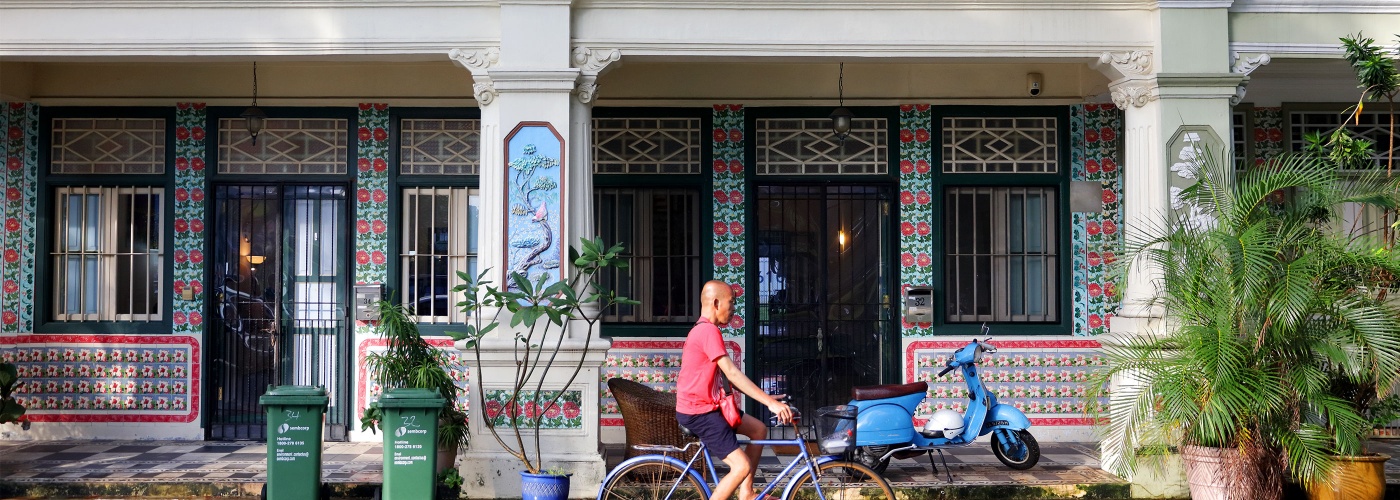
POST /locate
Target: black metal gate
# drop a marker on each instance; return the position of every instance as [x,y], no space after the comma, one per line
[824,322]
[277,302]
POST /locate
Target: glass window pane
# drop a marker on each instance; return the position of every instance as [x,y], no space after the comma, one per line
[1000,251]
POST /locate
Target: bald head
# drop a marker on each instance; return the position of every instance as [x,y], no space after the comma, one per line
[716,302]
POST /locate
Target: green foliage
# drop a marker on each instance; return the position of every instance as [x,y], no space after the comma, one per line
[1377,78]
[1266,306]
[10,409]
[1373,65]
[450,478]
[538,312]
[409,361]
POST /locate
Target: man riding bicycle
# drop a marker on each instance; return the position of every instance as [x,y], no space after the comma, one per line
[698,394]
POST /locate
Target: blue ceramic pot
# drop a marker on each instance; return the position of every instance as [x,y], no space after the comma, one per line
[543,486]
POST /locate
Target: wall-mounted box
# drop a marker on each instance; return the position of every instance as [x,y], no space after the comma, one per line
[918,304]
[367,298]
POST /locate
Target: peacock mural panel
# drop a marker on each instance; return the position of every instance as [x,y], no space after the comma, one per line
[534,158]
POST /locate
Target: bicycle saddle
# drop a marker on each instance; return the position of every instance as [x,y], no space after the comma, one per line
[870,392]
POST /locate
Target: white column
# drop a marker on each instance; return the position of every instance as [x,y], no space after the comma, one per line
[535,79]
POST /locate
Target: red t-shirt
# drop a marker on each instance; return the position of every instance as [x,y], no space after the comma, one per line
[697,386]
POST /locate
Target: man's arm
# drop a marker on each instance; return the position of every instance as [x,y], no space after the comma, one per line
[743,384]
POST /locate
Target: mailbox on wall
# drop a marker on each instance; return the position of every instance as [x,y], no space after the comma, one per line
[367,298]
[918,304]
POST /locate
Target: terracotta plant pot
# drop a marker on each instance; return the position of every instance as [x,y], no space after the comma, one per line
[1207,476]
[446,458]
[1353,478]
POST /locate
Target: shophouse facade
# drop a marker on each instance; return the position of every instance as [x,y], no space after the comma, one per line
[162,265]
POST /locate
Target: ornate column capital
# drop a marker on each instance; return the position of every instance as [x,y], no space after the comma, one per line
[592,63]
[479,62]
[1133,94]
[1244,66]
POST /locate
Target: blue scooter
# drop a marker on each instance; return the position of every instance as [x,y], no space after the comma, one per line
[885,426]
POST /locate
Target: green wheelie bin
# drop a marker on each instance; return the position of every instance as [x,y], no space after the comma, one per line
[410,429]
[294,424]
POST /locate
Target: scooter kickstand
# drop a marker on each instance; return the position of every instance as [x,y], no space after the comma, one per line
[946,470]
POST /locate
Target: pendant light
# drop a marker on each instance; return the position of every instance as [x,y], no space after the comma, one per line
[254,117]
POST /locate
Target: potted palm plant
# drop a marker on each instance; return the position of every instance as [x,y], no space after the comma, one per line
[409,361]
[10,409]
[538,311]
[1263,308]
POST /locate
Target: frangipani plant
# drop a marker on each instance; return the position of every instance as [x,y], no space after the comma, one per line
[539,310]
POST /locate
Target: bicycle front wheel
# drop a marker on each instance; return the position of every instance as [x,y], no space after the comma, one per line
[841,481]
[652,480]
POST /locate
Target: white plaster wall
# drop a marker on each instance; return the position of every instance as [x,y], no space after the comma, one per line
[162,28]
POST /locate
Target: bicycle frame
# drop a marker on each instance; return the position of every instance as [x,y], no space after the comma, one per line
[788,476]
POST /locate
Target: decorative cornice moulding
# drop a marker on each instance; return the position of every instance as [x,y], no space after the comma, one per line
[1318,6]
[595,61]
[1246,65]
[236,4]
[591,64]
[872,5]
[1194,4]
[479,61]
[1126,65]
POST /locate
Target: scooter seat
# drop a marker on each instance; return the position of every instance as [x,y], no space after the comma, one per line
[870,392]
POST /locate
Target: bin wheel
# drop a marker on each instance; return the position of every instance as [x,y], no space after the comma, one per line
[263,495]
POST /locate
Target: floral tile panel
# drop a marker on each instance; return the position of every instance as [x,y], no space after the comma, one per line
[1045,379]
[550,409]
[105,378]
[367,390]
[654,363]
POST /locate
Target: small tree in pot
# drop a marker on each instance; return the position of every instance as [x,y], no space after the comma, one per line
[538,310]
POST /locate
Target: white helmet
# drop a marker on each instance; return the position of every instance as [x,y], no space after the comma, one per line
[946,422]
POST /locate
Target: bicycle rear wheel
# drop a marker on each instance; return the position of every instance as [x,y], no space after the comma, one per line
[841,481]
[652,480]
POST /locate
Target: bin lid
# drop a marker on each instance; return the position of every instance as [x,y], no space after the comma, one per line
[411,398]
[288,395]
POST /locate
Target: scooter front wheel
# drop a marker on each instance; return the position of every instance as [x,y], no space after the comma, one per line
[1017,449]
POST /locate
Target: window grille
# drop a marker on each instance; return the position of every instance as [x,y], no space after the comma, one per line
[107,254]
[285,146]
[1374,126]
[1000,145]
[646,146]
[108,146]
[807,146]
[660,228]
[439,146]
[439,240]
[1239,134]
[1001,251]
[1368,222]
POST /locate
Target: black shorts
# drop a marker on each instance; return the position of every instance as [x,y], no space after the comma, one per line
[717,435]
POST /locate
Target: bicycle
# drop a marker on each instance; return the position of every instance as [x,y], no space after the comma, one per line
[826,475]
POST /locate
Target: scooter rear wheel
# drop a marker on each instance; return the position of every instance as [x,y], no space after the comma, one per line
[1021,454]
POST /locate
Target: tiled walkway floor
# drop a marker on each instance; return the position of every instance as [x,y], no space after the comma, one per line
[151,461]
[57,462]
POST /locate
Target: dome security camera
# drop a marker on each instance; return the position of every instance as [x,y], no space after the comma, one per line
[1033,84]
